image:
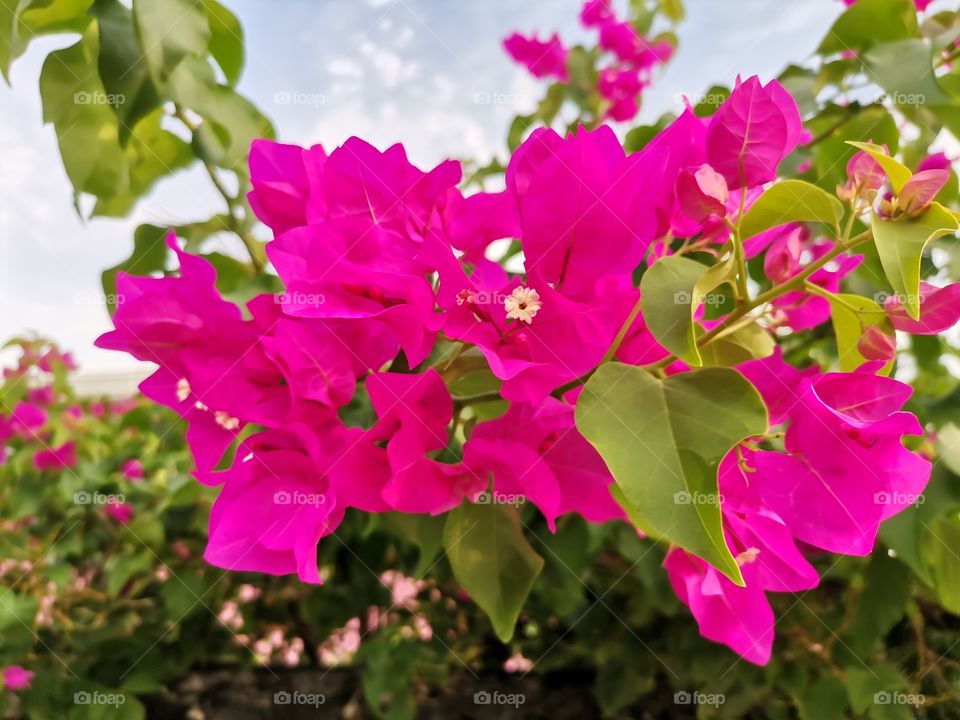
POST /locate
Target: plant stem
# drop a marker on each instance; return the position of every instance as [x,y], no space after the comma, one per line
[233,202]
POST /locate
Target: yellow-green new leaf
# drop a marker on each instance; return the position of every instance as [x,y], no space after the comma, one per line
[898,173]
[791,201]
[851,316]
[663,441]
[900,244]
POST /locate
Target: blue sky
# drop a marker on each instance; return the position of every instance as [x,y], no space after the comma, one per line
[389,71]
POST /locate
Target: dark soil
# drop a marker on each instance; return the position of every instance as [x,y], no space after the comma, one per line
[336,694]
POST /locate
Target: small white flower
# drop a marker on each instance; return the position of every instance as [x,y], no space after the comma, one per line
[747,556]
[226,421]
[523,304]
[183,389]
[200,406]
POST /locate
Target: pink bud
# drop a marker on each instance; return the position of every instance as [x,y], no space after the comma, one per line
[702,192]
[875,344]
[921,189]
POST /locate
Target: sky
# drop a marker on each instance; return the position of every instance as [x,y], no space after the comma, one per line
[420,72]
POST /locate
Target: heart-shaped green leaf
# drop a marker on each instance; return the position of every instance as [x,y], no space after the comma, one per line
[852,315]
[492,560]
[791,201]
[670,292]
[900,244]
[663,441]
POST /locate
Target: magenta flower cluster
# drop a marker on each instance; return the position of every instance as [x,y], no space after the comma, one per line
[630,58]
[387,278]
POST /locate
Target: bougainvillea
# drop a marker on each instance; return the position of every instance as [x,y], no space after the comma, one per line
[335,390]
[627,63]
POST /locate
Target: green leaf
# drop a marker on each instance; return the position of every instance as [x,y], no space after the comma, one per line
[791,201]
[905,70]
[663,441]
[75,101]
[670,292]
[824,699]
[492,561]
[17,614]
[852,315]
[149,254]
[424,531]
[152,153]
[748,342]
[123,70]
[864,683]
[869,22]
[901,243]
[897,172]
[869,124]
[231,122]
[883,601]
[940,550]
[23,20]
[226,40]
[169,31]
[387,677]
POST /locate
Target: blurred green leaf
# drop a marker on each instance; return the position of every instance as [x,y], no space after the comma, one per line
[226,40]
[870,22]
[492,561]
[170,30]
[75,101]
[122,68]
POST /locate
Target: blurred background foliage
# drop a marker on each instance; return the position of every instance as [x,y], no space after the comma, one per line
[91,599]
